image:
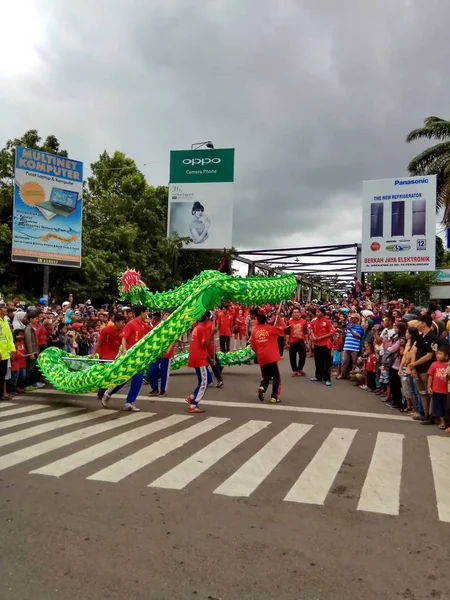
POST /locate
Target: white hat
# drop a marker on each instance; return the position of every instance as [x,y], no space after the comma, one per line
[64,304]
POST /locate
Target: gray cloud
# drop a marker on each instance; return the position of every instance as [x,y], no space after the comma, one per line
[314,96]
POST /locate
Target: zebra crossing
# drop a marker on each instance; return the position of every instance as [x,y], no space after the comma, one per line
[311,484]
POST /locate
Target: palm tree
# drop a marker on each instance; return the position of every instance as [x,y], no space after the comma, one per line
[434,160]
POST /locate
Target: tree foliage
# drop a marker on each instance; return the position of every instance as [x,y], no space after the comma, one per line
[434,160]
[124,225]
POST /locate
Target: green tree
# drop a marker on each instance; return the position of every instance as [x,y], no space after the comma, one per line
[412,286]
[434,160]
[21,278]
[440,252]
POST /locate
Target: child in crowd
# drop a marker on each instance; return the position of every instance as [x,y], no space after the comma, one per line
[18,364]
[337,344]
[438,386]
[371,367]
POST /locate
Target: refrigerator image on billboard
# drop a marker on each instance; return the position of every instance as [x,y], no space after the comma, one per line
[376,220]
[418,217]
[398,219]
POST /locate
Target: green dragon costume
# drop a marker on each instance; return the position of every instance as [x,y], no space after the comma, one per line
[191,300]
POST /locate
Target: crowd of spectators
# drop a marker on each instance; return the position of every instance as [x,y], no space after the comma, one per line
[394,350]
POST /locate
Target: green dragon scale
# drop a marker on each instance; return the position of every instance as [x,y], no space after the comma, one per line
[190,300]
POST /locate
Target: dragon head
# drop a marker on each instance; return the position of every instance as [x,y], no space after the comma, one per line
[128,279]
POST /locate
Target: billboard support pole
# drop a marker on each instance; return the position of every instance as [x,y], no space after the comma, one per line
[358,262]
[46,281]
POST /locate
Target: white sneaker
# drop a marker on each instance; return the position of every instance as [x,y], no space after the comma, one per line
[131,407]
[105,400]
[40,385]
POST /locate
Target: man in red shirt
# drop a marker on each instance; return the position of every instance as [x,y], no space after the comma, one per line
[264,341]
[108,343]
[295,341]
[224,323]
[133,332]
[160,369]
[321,333]
[198,359]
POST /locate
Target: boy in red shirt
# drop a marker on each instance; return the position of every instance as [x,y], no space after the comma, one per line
[133,332]
[321,332]
[18,364]
[437,385]
[198,360]
[224,323]
[295,341]
[264,342]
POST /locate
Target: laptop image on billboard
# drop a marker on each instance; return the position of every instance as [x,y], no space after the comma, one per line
[376,219]
[61,202]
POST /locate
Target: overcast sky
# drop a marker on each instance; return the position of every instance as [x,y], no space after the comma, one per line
[315,95]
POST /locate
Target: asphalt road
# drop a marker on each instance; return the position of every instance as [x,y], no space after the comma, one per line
[329,495]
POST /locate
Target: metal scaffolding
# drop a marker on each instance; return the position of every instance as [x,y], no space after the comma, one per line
[321,271]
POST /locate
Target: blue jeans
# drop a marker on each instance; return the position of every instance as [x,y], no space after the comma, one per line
[17,377]
[159,370]
[135,388]
[439,403]
[415,396]
[31,371]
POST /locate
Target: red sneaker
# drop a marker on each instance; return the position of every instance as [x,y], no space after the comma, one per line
[189,400]
[194,408]
[295,374]
[302,373]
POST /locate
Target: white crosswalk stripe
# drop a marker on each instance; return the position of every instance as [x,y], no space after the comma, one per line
[83,457]
[440,463]
[20,410]
[381,490]
[314,483]
[19,456]
[18,436]
[191,468]
[267,449]
[41,417]
[246,479]
[144,457]
[6,404]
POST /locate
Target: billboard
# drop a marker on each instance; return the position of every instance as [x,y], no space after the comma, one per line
[201,197]
[399,225]
[47,209]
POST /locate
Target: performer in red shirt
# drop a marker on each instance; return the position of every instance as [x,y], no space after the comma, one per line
[213,359]
[108,343]
[134,331]
[321,332]
[295,341]
[160,369]
[264,341]
[224,323]
[198,359]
